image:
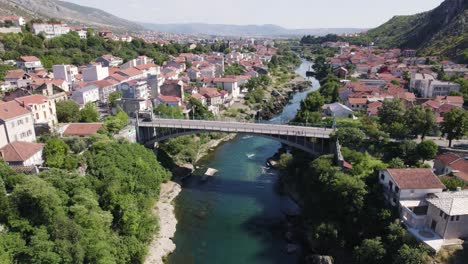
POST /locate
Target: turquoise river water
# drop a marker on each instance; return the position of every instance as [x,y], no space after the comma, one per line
[235,217]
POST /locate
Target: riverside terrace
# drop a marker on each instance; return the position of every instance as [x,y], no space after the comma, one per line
[314,140]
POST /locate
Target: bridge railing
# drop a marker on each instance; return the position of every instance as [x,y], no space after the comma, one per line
[277,121]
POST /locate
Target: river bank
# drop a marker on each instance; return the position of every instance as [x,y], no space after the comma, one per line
[162,244]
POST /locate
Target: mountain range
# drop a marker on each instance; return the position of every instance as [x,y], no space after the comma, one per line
[71,13]
[441,31]
[244,30]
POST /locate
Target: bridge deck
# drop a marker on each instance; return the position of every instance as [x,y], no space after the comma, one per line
[239,127]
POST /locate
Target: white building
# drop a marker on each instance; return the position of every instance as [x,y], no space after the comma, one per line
[16,124]
[427,86]
[87,94]
[29,63]
[21,153]
[229,85]
[95,72]
[51,30]
[65,72]
[43,109]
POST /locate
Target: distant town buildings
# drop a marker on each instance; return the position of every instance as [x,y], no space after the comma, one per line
[50,30]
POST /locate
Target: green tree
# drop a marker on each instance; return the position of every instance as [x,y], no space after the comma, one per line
[420,121]
[392,118]
[67,111]
[163,110]
[410,255]
[89,114]
[113,97]
[455,124]
[370,251]
[285,161]
[313,102]
[351,137]
[55,153]
[326,235]
[330,91]
[427,150]
[396,163]
[452,183]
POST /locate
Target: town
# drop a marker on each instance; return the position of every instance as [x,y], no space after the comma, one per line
[72,99]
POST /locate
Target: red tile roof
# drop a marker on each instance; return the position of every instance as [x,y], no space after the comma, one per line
[29,58]
[11,110]
[457,162]
[169,99]
[130,72]
[416,179]
[20,151]
[32,99]
[225,80]
[15,74]
[82,129]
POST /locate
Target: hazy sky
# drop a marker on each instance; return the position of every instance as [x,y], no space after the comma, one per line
[287,13]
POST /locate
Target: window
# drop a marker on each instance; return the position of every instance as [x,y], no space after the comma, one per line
[441,213]
[445,216]
[382,176]
[397,189]
[458,218]
[452,218]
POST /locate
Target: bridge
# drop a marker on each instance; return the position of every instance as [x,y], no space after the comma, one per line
[314,140]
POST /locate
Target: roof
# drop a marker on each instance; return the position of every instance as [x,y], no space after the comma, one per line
[352,100]
[14,74]
[169,99]
[457,163]
[415,178]
[32,99]
[20,151]
[225,80]
[451,203]
[130,72]
[29,58]
[82,129]
[146,66]
[11,110]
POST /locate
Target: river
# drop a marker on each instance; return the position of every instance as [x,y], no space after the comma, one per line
[236,217]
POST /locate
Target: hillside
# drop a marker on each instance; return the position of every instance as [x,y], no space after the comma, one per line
[441,31]
[243,30]
[71,13]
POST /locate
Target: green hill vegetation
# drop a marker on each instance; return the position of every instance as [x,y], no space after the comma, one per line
[59,216]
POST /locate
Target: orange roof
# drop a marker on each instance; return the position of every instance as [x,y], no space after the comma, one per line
[82,129]
[146,66]
[130,72]
[29,58]
[20,151]
[225,80]
[14,74]
[169,99]
[32,99]
[416,179]
[352,100]
[11,110]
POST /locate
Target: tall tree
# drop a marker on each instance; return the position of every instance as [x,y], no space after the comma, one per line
[89,114]
[392,118]
[68,111]
[455,124]
[420,121]
[427,150]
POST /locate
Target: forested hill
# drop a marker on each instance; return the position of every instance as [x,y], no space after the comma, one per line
[441,31]
[71,13]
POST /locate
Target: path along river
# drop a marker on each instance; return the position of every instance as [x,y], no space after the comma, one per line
[236,217]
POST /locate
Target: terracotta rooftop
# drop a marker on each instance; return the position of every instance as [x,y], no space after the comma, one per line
[14,74]
[82,129]
[20,151]
[32,99]
[11,110]
[169,99]
[416,179]
[28,58]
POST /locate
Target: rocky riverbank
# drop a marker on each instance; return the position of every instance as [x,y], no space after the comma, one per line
[162,244]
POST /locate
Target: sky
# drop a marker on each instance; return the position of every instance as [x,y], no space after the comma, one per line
[286,13]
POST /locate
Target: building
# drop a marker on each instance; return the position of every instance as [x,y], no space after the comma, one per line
[21,153]
[132,106]
[409,184]
[29,63]
[43,109]
[134,89]
[106,87]
[16,124]
[447,214]
[87,94]
[50,30]
[171,101]
[95,72]
[109,60]
[17,21]
[452,163]
[338,110]
[427,86]
[229,85]
[66,73]
[409,53]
